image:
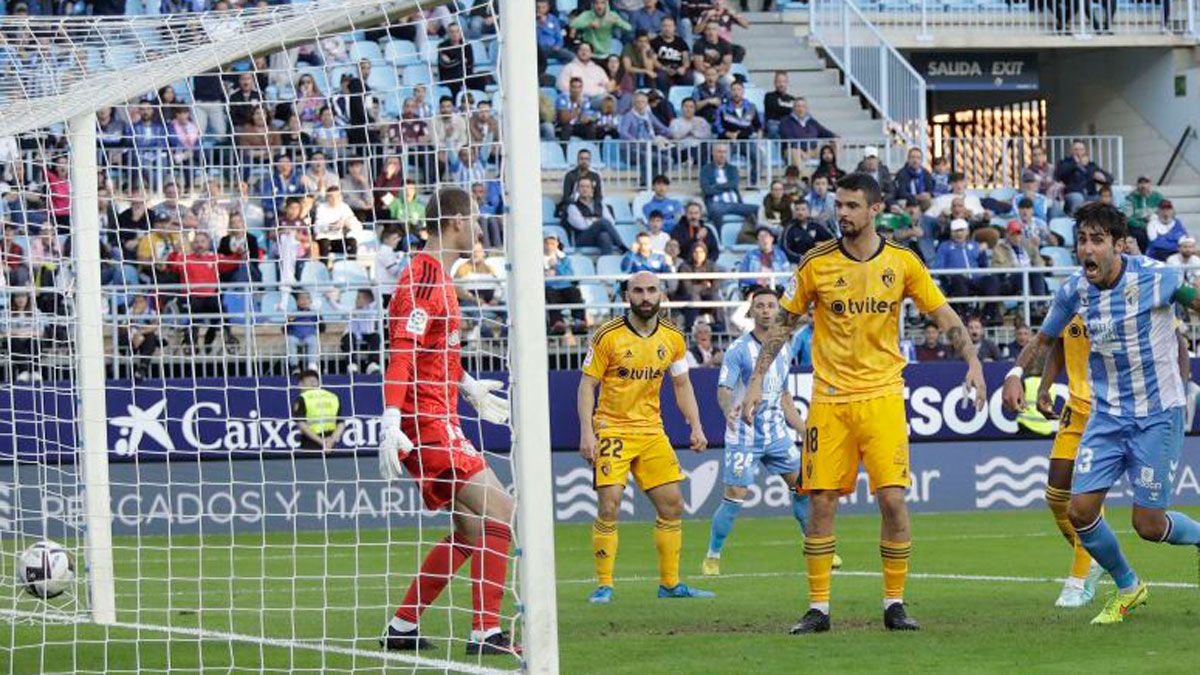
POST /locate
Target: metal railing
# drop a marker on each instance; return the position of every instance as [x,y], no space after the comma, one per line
[1081,19]
[872,66]
[999,162]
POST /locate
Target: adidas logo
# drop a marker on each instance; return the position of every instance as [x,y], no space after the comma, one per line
[629,353]
[602,554]
[840,283]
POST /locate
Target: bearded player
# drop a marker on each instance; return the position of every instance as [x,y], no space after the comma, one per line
[420,433]
[856,286]
[628,358]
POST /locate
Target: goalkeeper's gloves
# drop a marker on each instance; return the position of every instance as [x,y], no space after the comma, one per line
[394,445]
[491,408]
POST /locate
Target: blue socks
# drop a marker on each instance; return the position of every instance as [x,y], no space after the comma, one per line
[1101,543]
[800,510]
[722,525]
[1181,529]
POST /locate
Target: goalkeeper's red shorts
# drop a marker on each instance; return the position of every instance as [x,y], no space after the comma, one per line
[441,462]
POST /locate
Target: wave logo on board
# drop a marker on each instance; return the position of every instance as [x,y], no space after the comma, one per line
[1002,481]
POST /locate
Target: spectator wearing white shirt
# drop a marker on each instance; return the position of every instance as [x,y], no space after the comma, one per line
[360,343]
[594,77]
[389,263]
[337,228]
[1187,257]
[958,188]
[658,238]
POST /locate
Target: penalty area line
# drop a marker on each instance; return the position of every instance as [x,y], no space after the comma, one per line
[932,576]
[282,643]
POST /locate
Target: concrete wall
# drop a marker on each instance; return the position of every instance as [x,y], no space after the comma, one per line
[1079,85]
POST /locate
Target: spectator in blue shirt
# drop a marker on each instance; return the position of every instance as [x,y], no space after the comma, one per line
[767,257]
[648,19]
[639,124]
[710,95]
[800,126]
[573,113]
[737,118]
[550,35]
[1081,178]
[283,182]
[1164,232]
[719,184]
[642,258]
[670,208]
[149,136]
[821,202]
[555,264]
[959,252]
[303,330]
[1029,192]
[913,182]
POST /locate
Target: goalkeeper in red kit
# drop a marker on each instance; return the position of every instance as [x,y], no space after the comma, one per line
[420,433]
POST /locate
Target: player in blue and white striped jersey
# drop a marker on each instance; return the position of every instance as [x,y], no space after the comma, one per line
[1136,425]
[768,440]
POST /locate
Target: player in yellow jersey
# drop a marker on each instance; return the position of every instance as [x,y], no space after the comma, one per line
[856,286]
[1071,351]
[628,357]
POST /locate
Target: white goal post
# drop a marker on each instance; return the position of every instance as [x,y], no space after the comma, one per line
[111,61]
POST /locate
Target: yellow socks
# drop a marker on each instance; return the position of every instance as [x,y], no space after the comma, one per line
[1058,500]
[895,567]
[818,556]
[604,549]
[668,540]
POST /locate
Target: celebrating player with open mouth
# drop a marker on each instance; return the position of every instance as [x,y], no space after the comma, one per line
[1138,397]
[420,432]
[856,285]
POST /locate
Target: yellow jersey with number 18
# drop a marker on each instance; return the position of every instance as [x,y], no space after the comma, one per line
[1076,347]
[856,316]
[630,368]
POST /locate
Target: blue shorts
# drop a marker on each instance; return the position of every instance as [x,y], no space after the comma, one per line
[1144,449]
[741,464]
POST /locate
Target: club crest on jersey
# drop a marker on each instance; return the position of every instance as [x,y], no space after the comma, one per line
[790,291]
[662,353]
[417,322]
[453,339]
[1130,292]
[889,277]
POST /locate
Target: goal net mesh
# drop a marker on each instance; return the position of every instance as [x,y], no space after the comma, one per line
[262,175]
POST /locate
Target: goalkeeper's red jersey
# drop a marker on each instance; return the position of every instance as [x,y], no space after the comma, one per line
[424,365]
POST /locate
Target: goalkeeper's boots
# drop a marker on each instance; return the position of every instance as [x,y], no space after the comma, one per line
[404,641]
[813,621]
[601,596]
[896,618]
[711,567]
[1121,604]
[837,561]
[499,642]
[683,591]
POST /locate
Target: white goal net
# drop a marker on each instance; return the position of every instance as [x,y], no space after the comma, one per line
[206,218]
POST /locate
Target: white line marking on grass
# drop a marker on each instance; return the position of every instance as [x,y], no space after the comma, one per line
[419,661]
[932,576]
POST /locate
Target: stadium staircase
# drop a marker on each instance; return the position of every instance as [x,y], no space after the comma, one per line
[776,42]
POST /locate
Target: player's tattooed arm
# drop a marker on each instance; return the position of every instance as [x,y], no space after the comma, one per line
[1014,391]
[781,332]
[951,324]
[725,401]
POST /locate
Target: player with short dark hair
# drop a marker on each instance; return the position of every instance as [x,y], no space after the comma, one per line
[856,285]
[420,432]
[1138,396]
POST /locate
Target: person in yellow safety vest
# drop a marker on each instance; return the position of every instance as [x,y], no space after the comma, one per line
[1031,419]
[316,413]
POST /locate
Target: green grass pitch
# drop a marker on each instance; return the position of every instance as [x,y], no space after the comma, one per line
[971,623]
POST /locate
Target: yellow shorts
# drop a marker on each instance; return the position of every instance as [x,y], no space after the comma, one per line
[1070,430]
[649,456]
[840,435]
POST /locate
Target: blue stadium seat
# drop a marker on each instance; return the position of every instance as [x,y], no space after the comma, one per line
[608,265]
[728,260]
[552,156]
[401,53]
[1059,256]
[678,94]
[622,213]
[417,73]
[594,295]
[1065,228]
[351,273]
[314,275]
[628,234]
[729,233]
[548,207]
[269,308]
[383,78]
[1003,194]
[483,55]
[365,50]
[582,265]
[269,271]
[239,307]
[553,69]
[756,95]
